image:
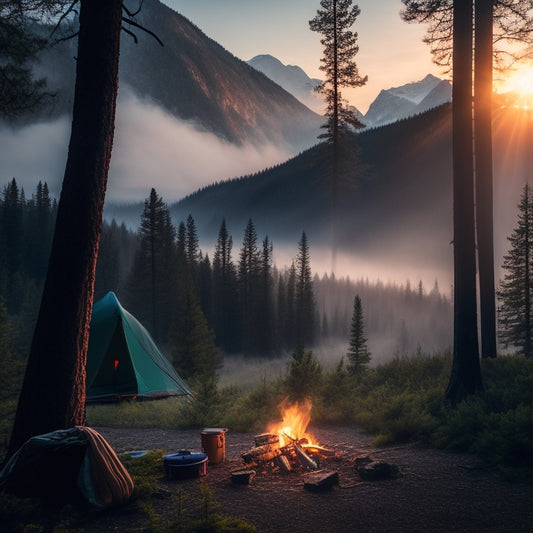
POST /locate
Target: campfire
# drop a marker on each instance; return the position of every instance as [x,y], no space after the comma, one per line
[286,445]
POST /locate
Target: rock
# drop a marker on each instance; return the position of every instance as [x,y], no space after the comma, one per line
[377,470]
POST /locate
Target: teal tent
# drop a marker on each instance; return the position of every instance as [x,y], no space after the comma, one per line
[123,360]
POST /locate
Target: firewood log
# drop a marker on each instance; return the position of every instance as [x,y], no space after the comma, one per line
[283,463]
[304,459]
[319,450]
[266,452]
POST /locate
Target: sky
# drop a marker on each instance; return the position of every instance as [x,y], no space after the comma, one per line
[391,52]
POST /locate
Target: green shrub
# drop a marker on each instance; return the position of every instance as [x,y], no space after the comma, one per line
[507,438]
[254,410]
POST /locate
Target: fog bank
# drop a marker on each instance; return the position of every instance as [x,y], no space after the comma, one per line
[151,149]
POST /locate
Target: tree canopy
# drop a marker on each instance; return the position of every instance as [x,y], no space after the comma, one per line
[334,22]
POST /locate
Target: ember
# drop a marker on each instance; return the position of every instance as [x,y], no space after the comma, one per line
[287,445]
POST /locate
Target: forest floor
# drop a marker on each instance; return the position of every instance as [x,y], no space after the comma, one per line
[437,491]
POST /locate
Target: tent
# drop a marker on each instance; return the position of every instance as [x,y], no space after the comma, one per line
[123,360]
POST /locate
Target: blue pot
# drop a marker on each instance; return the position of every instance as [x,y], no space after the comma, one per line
[185,464]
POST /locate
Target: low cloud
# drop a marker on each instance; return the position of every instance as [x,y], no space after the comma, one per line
[35,153]
[151,149]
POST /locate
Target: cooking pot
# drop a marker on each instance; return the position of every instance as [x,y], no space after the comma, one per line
[185,464]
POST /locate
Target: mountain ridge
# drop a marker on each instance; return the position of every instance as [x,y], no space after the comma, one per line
[292,78]
[395,206]
[195,79]
[390,105]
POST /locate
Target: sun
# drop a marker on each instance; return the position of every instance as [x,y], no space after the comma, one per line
[520,81]
[517,89]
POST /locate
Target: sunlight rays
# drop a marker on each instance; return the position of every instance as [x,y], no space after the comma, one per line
[518,87]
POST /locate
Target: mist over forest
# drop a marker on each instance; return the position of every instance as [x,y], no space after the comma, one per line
[247,150]
[401,319]
[200,249]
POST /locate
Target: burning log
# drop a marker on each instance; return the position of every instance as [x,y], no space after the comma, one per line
[318,450]
[304,459]
[283,462]
[287,447]
[263,453]
[266,438]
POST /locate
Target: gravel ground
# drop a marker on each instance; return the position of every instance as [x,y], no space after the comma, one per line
[437,491]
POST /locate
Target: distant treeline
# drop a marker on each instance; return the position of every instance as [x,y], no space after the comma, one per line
[239,300]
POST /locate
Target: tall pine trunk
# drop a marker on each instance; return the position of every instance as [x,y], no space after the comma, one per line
[53,391]
[465,378]
[483,163]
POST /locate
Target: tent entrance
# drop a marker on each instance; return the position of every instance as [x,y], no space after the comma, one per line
[116,376]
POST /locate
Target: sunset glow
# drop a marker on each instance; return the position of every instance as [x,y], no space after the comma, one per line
[518,88]
[520,81]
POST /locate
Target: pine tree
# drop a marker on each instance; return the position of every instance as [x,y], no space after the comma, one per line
[516,289]
[305,305]
[495,22]
[38,230]
[20,45]
[181,242]
[265,304]
[194,353]
[108,266]
[205,287]
[151,288]
[12,227]
[193,254]
[226,314]
[281,312]
[249,276]
[192,246]
[358,354]
[290,300]
[465,377]
[340,47]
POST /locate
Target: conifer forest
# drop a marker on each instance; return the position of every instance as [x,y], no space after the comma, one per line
[231,299]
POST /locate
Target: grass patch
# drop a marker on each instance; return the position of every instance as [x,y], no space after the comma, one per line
[164,413]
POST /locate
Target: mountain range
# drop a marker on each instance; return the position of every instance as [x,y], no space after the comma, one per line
[259,102]
[196,80]
[394,203]
[389,106]
[407,100]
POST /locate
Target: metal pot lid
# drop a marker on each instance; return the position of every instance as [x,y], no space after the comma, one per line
[183,458]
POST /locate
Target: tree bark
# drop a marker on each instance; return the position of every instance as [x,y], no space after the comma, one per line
[465,378]
[53,391]
[483,164]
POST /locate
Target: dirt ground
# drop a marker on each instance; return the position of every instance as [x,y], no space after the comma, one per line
[437,491]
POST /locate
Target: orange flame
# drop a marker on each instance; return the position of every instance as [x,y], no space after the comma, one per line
[295,419]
